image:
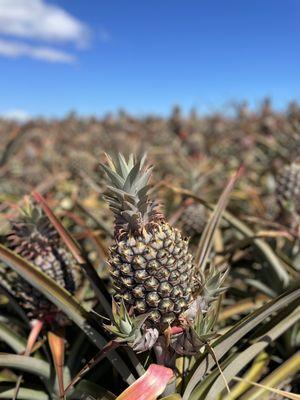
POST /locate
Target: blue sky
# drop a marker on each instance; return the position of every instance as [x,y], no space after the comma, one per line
[145,56]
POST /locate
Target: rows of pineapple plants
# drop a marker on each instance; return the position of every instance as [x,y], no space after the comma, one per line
[196,301]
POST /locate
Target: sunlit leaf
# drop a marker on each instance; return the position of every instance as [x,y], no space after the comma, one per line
[57,346]
[283,393]
[247,355]
[254,373]
[227,341]
[207,236]
[7,392]
[286,370]
[150,385]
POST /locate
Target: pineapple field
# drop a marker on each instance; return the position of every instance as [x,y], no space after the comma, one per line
[150,257]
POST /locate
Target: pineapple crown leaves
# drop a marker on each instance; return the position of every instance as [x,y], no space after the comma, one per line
[32,220]
[126,329]
[198,331]
[213,287]
[204,324]
[30,213]
[128,192]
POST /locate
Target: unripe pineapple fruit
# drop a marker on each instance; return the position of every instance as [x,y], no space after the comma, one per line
[193,219]
[288,188]
[149,262]
[33,237]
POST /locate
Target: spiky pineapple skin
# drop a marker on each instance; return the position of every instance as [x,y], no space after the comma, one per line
[153,273]
[288,188]
[193,219]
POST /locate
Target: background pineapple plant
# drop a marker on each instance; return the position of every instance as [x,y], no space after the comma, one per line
[32,237]
[193,219]
[288,192]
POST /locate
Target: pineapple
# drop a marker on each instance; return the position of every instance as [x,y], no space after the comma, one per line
[193,219]
[149,262]
[194,215]
[288,188]
[81,164]
[33,238]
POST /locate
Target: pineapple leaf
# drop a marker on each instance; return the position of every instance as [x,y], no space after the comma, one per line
[252,351]
[116,179]
[207,237]
[7,392]
[110,162]
[27,364]
[86,388]
[285,370]
[11,338]
[229,339]
[56,342]
[132,179]
[77,253]
[124,166]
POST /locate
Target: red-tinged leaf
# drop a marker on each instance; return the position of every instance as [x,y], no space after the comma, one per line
[206,240]
[57,345]
[150,385]
[77,252]
[66,237]
[37,326]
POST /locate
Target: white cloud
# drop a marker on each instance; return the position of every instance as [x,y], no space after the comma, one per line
[37,19]
[18,115]
[15,49]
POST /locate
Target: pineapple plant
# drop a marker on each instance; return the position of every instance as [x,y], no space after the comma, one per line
[81,164]
[193,219]
[33,237]
[288,194]
[288,187]
[149,262]
[194,215]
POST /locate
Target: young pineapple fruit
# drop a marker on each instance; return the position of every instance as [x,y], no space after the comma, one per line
[149,262]
[194,215]
[288,193]
[81,164]
[193,219]
[33,237]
